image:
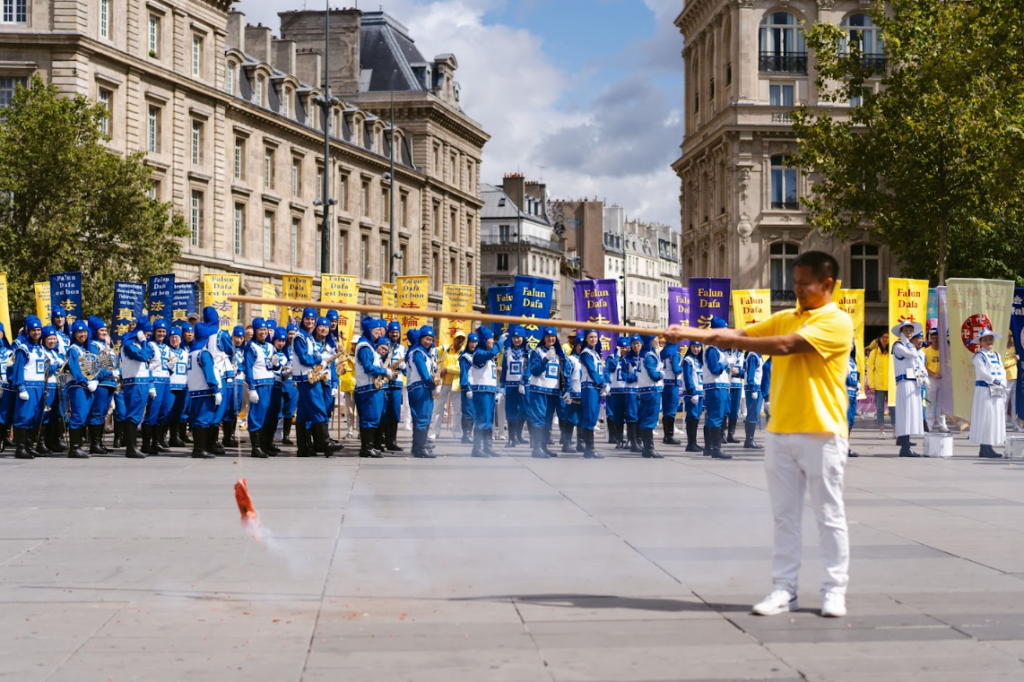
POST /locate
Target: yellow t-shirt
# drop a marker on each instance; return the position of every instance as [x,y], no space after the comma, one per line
[931,356]
[1010,363]
[808,393]
[450,363]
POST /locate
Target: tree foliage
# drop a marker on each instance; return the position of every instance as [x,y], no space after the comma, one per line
[69,203]
[932,164]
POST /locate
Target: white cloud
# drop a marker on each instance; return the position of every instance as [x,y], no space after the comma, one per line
[615,146]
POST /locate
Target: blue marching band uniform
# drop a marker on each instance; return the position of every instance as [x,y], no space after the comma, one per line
[513,381]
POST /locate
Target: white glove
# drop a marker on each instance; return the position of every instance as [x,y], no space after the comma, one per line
[469,394]
[522,389]
[753,395]
[694,399]
[141,336]
[606,390]
[152,392]
[326,364]
[334,393]
[217,398]
[551,354]
[254,397]
[437,391]
[498,398]
[501,339]
[402,366]
[275,362]
[391,375]
[566,397]
[23,394]
[116,373]
[92,386]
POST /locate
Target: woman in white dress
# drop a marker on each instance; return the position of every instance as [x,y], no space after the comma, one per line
[906,364]
[988,414]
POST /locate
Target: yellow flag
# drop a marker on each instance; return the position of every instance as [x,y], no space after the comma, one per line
[269,312]
[296,287]
[216,289]
[750,306]
[851,301]
[389,298]
[43,301]
[412,293]
[5,310]
[341,289]
[456,298]
[908,302]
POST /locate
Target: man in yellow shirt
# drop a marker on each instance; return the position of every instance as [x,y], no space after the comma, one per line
[807,443]
[936,385]
[1010,361]
[448,365]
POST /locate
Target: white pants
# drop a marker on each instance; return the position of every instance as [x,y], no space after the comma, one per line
[795,463]
[1011,398]
[439,403]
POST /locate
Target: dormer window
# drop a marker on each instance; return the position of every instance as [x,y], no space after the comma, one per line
[286,102]
[257,92]
[230,74]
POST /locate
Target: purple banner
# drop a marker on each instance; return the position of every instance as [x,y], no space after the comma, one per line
[679,307]
[597,302]
[945,388]
[1017,329]
[709,297]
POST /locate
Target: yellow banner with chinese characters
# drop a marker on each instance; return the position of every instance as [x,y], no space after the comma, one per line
[295,287]
[851,302]
[908,302]
[216,289]
[269,312]
[43,301]
[750,306]
[389,298]
[341,289]
[456,298]
[412,294]
[5,309]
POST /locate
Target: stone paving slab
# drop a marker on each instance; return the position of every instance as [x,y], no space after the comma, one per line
[510,569]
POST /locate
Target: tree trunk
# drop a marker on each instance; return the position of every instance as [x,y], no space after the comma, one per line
[943,248]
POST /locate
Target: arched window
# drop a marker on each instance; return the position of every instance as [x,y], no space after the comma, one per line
[860,29]
[257,92]
[783,185]
[286,102]
[782,44]
[781,257]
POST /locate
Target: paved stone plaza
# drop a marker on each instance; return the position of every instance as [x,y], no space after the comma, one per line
[508,569]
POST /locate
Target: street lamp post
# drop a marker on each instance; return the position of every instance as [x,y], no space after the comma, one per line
[391,193]
[325,103]
[625,297]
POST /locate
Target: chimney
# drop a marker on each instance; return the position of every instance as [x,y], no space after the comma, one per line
[257,41]
[514,185]
[309,68]
[306,28]
[284,56]
[236,34]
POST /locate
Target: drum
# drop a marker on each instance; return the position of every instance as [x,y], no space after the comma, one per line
[1015,448]
[938,445]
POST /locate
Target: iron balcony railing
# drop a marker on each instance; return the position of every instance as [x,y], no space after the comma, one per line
[793,62]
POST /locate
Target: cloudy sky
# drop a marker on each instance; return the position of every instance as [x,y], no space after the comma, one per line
[586,94]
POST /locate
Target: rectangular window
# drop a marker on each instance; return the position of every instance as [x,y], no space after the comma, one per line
[229,78]
[452,272]
[435,268]
[319,246]
[197,56]
[286,102]
[296,177]
[154,35]
[15,11]
[294,242]
[268,168]
[384,255]
[197,143]
[504,233]
[268,236]
[239,227]
[503,261]
[364,256]
[154,189]
[153,130]
[105,96]
[343,251]
[196,222]
[385,206]
[437,219]
[400,263]
[104,18]
[320,184]
[257,92]
[403,202]
[366,198]
[343,192]
[783,185]
[781,94]
[239,158]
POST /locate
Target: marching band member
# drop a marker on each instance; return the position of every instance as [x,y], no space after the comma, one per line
[649,390]
[281,369]
[673,364]
[468,419]
[290,393]
[483,385]
[99,344]
[568,406]
[308,351]
[7,393]
[766,388]
[752,369]
[617,369]
[370,399]
[80,391]
[908,392]
[593,385]
[188,336]
[58,320]
[383,347]
[513,381]
[717,384]
[230,357]
[448,361]
[160,383]
[56,345]
[545,372]
[988,413]
[259,377]
[422,391]
[392,416]
[136,388]
[28,380]
[852,389]
[205,385]
[735,358]
[177,393]
[693,393]
[936,384]
[334,341]
[630,413]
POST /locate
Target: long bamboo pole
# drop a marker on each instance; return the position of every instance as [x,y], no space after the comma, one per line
[688,332]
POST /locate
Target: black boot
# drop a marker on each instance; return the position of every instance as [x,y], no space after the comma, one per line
[670,431]
[905,449]
[367,440]
[5,438]
[544,435]
[213,443]
[21,449]
[716,441]
[519,432]
[467,432]
[633,431]
[322,441]
[96,440]
[691,436]
[183,431]
[392,438]
[709,447]
[478,449]
[564,439]
[201,436]
[489,444]
[732,431]
[175,440]
[286,432]
[147,438]
[41,448]
[381,438]
[419,444]
[118,435]
[54,435]
[620,438]
[589,452]
[254,442]
[647,436]
[536,435]
[160,438]
[511,434]
[749,443]
[75,438]
[304,449]
[988,452]
[267,440]
[229,434]
[580,443]
[131,436]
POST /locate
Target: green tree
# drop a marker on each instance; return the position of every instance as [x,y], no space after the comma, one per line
[68,203]
[932,164]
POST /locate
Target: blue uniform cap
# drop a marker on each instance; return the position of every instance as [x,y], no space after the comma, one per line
[332,315]
[473,338]
[516,330]
[323,322]
[257,323]
[413,337]
[485,333]
[143,325]
[281,333]
[57,312]
[291,327]
[49,330]
[623,342]
[96,323]
[383,341]
[33,322]
[580,338]
[549,331]
[159,324]
[210,315]
[426,330]
[175,331]
[309,312]
[718,323]
[395,326]
[79,326]
[636,339]
[187,327]
[239,330]
[380,323]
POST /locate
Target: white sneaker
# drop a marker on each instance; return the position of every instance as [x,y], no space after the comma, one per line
[779,601]
[942,428]
[833,605]
[432,436]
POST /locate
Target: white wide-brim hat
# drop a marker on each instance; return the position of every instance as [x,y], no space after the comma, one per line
[897,330]
[987,332]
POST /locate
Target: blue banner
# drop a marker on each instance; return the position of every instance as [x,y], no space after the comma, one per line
[1017,327]
[499,301]
[932,316]
[129,299]
[709,297]
[531,297]
[184,302]
[66,295]
[161,297]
